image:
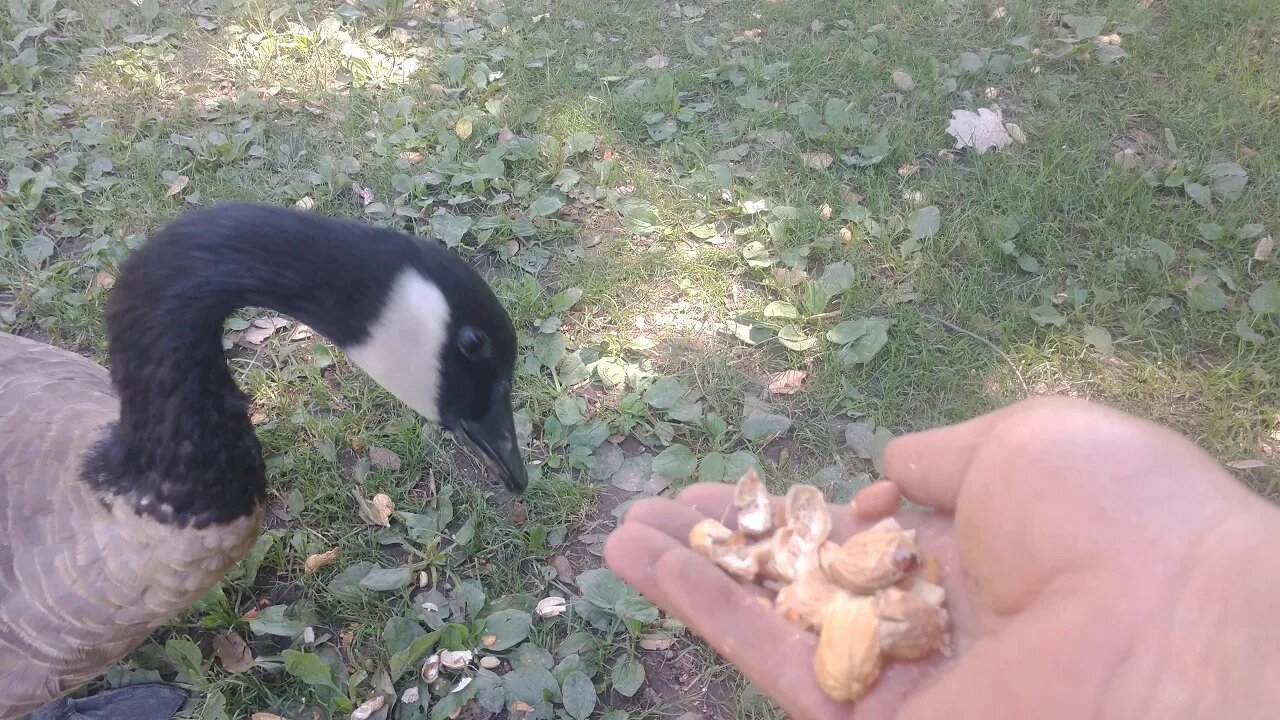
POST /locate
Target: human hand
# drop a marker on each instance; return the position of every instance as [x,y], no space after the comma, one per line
[1095,565]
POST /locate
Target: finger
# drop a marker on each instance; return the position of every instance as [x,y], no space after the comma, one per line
[769,651]
[876,501]
[632,552]
[670,516]
[930,466]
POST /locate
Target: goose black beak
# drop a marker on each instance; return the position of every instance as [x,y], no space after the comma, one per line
[494,438]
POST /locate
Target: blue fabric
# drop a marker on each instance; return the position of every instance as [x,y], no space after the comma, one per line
[151,701]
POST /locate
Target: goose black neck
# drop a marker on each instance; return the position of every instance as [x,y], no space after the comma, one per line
[184,450]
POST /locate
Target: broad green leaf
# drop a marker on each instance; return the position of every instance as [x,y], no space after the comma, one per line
[399,633]
[676,462]
[602,588]
[450,228]
[836,113]
[1212,232]
[271,621]
[38,249]
[384,579]
[531,685]
[1046,314]
[1207,296]
[1099,338]
[1266,299]
[793,337]
[1247,333]
[815,298]
[765,425]
[590,435]
[711,468]
[1198,192]
[635,608]
[580,142]
[665,392]
[925,222]
[510,627]
[1162,250]
[627,675]
[633,473]
[579,695]
[866,347]
[185,655]
[309,668]
[402,661]
[641,219]
[570,410]
[545,205]
[837,277]
[1028,263]
[1086,26]
[780,309]
[565,299]
[737,463]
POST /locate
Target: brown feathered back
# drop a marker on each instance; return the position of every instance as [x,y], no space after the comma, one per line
[83,579]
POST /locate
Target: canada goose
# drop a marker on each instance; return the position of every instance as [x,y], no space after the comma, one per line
[125,497]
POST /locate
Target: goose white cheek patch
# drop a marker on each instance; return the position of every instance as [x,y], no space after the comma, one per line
[403,350]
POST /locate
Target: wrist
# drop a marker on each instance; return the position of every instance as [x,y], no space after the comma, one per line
[1215,650]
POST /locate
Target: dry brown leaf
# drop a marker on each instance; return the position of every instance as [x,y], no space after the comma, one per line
[232,652]
[789,277]
[463,127]
[383,459]
[818,161]
[177,185]
[1262,251]
[657,61]
[102,280]
[505,135]
[903,80]
[377,511]
[562,567]
[261,329]
[319,560]
[1247,464]
[266,716]
[521,708]
[787,382]
[656,642]
[413,157]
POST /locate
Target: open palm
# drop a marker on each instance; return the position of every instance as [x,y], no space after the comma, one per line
[1062,532]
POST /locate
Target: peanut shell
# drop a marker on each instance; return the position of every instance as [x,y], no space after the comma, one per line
[807,515]
[847,661]
[755,511]
[875,558]
[910,626]
[804,601]
[710,535]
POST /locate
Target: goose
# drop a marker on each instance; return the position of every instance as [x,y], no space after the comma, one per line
[126,496]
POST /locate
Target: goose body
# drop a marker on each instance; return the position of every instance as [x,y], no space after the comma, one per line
[125,496]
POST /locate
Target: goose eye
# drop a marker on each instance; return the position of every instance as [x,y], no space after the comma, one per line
[473,343]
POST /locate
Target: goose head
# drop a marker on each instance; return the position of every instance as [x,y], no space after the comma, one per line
[443,344]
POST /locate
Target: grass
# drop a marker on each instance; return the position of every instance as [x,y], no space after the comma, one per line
[645,205]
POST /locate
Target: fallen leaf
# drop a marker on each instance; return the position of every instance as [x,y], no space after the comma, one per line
[1228,179]
[463,127]
[505,135]
[657,62]
[656,642]
[102,280]
[925,222]
[903,80]
[562,566]
[377,511]
[1262,251]
[1247,464]
[383,459]
[1015,132]
[265,716]
[177,185]
[261,329]
[232,652]
[787,382]
[1126,159]
[818,161]
[368,708]
[981,131]
[521,708]
[319,560]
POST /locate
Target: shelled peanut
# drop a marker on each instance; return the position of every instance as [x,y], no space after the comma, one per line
[875,597]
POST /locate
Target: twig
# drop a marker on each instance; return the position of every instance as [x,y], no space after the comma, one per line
[952,326]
